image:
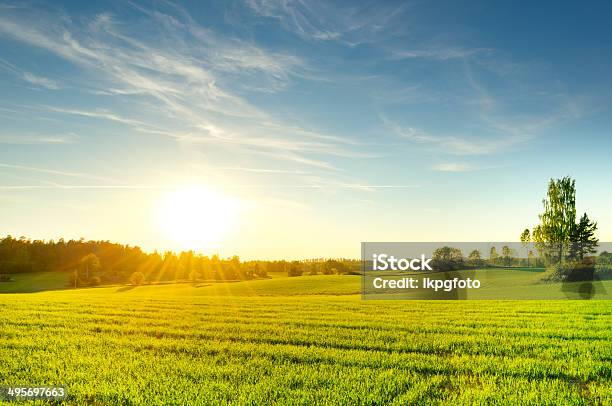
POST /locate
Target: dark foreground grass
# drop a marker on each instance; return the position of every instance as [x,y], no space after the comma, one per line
[182,344]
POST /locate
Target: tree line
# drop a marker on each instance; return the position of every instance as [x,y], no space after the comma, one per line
[450,258]
[103,262]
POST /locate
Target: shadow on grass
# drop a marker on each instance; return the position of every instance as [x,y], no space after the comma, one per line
[519,268]
[583,289]
[125,288]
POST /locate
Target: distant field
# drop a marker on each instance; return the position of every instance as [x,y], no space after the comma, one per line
[35,282]
[300,341]
[516,283]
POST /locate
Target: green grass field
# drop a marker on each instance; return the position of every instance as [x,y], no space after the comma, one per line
[35,282]
[302,341]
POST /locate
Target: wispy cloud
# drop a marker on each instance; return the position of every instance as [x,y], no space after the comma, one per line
[263,170]
[80,187]
[452,144]
[192,78]
[81,175]
[497,126]
[315,20]
[102,114]
[304,18]
[40,81]
[186,82]
[521,127]
[435,53]
[453,167]
[38,138]
[356,186]
[29,77]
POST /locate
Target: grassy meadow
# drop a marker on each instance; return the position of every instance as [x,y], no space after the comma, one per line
[303,340]
[35,282]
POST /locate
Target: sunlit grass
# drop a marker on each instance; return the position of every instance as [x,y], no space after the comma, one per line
[182,344]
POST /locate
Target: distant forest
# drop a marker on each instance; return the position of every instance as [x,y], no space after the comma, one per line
[103,262]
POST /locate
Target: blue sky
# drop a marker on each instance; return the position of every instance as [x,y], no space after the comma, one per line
[330,123]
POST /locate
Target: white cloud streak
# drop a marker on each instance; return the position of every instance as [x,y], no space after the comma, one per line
[356,186]
[453,167]
[499,130]
[440,54]
[452,144]
[318,21]
[80,175]
[29,77]
[263,170]
[40,81]
[32,139]
[185,70]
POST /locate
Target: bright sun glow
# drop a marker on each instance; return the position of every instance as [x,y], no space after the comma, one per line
[197,218]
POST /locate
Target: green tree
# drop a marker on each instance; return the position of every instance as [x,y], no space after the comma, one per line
[583,240]
[530,258]
[507,255]
[295,269]
[557,222]
[90,263]
[475,259]
[525,240]
[335,266]
[493,256]
[447,258]
[137,278]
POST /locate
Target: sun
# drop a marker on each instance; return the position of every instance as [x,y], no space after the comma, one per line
[197,218]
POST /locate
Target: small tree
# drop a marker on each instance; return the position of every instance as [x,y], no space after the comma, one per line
[74,278]
[525,240]
[137,278]
[583,239]
[507,255]
[530,257]
[328,270]
[336,266]
[194,275]
[90,263]
[493,256]
[447,258]
[294,270]
[260,271]
[475,259]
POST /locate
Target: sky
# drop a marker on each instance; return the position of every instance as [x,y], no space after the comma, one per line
[297,129]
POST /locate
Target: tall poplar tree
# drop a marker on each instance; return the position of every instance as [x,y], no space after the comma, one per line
[558,220]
